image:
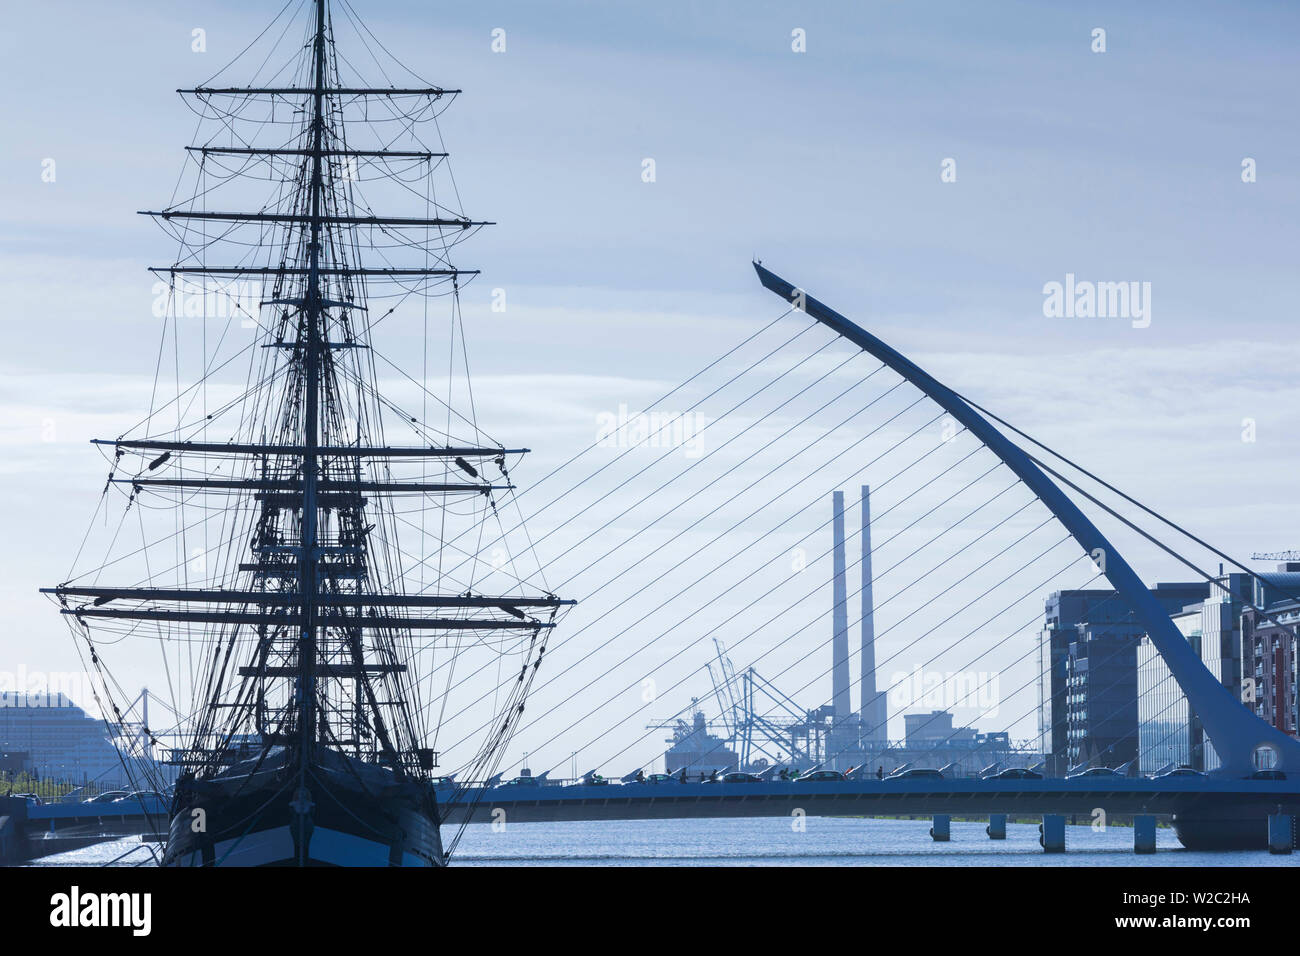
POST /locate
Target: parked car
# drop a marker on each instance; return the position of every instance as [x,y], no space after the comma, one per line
[739,776]
[1017,773]
[917,773]
[822,776]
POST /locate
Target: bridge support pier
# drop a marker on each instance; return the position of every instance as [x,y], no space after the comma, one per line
[997,828]
[1144,834]
[13,836]
[942,828]
[1280,835]
[1052,833]
[11,841]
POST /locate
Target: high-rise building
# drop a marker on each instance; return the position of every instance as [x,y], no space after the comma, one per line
[1165,721]
[1088,674]
[1169,732]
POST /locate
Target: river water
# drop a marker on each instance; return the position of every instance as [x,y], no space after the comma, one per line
[768,841]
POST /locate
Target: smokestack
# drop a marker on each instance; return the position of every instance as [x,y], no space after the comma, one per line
[840,619]
[875,716]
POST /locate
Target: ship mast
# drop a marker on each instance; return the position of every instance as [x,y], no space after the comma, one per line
[308,578]
[315,626]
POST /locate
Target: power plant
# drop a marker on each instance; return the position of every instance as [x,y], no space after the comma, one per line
[760,727]
[874,713]
[871,723]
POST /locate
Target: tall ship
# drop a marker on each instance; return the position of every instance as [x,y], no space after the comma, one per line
[309,539]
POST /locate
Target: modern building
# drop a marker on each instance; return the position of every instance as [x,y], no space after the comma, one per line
[1268,648]
[1087,685]
[1169,732]
[1165,733]
[1246,651]
[60,740]
[1101,703]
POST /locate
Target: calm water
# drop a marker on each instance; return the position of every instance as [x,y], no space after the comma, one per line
[826,841]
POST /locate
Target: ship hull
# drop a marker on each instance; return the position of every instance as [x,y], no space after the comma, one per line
[357,816]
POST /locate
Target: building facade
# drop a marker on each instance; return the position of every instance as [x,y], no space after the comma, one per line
[1268,649]
[1087,687]
[1169,730]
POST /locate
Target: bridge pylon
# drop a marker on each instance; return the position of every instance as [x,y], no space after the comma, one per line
[1242,740]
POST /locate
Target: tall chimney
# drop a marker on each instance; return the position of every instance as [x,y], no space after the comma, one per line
[840,619]
[875,715]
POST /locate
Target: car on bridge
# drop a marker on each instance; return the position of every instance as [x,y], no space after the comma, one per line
[108,796]
[658,778]
[1179,772]
[916,773]
[519,782]
[1016,773]
[142,798]
[1094,772]
[822,776]
[739,776]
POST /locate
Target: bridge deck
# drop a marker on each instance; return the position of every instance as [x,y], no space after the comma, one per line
[873,797]
[634,801]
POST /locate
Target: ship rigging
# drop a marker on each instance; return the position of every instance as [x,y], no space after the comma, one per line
[310,583]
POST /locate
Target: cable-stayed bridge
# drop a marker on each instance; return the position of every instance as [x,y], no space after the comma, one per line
[1246,777]
[972,523]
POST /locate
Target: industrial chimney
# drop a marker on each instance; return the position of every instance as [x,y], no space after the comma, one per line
[875,715]
[840,619]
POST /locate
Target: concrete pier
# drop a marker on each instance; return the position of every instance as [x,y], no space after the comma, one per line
[13,835]
[997,828]
[1144,834]
[942,829]
[1052,833]
[1280,833]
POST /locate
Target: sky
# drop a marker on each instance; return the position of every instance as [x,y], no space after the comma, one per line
[833,165]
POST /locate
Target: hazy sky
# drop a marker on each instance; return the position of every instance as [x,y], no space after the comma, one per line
[1123,165]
